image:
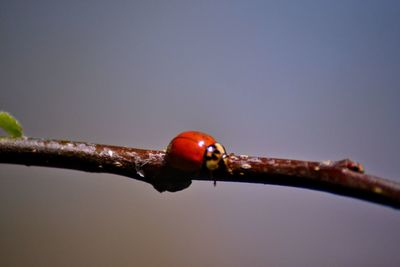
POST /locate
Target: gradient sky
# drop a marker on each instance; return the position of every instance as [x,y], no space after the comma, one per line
[310,80]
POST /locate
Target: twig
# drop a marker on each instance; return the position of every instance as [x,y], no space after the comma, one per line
[343,177]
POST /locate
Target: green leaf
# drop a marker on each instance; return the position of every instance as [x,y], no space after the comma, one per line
[10,125]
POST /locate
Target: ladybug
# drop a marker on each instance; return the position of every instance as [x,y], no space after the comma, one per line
[191,151]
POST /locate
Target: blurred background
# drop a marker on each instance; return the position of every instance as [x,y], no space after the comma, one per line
[311,80]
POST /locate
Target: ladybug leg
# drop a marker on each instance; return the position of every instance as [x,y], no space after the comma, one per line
[210,174]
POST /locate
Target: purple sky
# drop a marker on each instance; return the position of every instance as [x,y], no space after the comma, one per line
[310,80]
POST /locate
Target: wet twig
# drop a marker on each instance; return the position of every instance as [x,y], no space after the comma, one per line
[343,177]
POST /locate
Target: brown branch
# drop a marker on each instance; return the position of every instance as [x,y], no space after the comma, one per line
[343,177]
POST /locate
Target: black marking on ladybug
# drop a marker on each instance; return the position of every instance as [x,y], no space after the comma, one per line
[214,154]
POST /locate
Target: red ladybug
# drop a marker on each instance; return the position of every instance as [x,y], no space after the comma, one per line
[190,151]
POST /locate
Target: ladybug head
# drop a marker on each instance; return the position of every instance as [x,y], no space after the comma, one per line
[213,156]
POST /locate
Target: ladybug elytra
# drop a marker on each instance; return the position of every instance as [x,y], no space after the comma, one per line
[191,151]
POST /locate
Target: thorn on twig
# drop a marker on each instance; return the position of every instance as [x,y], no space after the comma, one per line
[351,165]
